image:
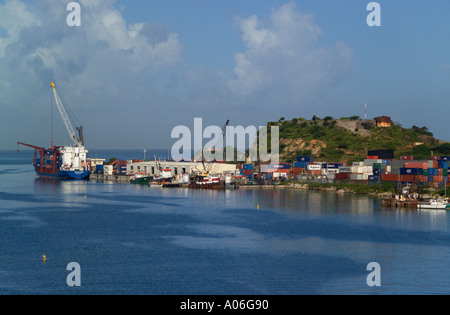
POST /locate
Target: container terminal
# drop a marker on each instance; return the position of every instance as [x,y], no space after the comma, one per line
[410,175]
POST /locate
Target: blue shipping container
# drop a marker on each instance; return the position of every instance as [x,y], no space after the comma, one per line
[301,164]
[433,172]
[247,167]
[443,164]
[411,171]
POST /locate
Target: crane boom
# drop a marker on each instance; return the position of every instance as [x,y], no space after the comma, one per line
[65,118]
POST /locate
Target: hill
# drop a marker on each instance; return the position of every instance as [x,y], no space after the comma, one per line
[349,139]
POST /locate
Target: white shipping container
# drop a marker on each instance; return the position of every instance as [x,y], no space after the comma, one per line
[345,169]
[361,169]
[108,169]
[314,167]
[330,171]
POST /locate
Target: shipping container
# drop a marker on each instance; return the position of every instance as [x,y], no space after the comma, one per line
[411,171]
[362,170]
[342,176]
[313,167]
[375,157]
[445,158]
[390,178]
[442,164]
[422,165]
[301,164]
[329,171]
[438,179]
[247,167]
[298,170]
[246,172]
[345,169]
[407,158]
[433,171]
[387,162]
[434,158]
[382,154]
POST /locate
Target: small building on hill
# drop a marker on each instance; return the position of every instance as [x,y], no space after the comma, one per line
[384,121]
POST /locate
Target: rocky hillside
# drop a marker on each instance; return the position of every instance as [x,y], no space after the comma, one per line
[349,139]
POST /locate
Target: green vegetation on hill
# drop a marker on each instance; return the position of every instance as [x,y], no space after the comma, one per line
[325,139]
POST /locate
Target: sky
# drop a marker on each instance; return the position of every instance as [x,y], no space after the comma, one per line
[136,69]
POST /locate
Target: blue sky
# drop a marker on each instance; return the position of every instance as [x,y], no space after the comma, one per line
[136,69]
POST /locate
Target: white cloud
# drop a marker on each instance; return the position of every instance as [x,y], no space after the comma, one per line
[103,54]
[283,57]
[105,66]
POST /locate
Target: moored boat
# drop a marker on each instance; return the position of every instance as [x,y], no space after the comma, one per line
[62,162]
[434,205]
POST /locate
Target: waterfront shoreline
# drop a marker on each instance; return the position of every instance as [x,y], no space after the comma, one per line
[309,188]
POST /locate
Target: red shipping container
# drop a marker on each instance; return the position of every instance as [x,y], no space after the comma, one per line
[342,176]
[372,157]
[434,158]
[390,178]
[423,165]
[407,158]
[439,179]
[298,170]
[247,172]
[409,178]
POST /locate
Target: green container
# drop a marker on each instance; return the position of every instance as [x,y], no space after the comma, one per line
[378,166]
[445,172]
[425,172]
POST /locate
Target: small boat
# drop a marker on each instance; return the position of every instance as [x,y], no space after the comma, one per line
[140,179]
[434,205]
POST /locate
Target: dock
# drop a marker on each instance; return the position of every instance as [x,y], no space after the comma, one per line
[111,178]
[395,203]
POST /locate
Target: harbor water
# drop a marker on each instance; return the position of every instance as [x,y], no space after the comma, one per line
[131,239]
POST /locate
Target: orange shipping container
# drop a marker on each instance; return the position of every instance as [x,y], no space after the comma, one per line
[439,179]
[409,178]
[423,165]
[390,178]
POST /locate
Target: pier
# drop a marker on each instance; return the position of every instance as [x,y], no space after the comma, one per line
[111,178]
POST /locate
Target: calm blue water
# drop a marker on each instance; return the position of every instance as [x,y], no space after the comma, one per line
[138,240]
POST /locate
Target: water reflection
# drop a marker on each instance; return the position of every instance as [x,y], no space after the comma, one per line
[311,202]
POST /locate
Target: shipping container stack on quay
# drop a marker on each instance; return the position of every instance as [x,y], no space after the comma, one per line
[379,166]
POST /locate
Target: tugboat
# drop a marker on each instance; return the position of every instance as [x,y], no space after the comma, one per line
[62,162]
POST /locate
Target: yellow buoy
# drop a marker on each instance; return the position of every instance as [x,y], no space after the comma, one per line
[257,207]
[44,258]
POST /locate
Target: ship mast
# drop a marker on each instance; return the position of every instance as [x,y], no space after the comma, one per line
[78,141]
